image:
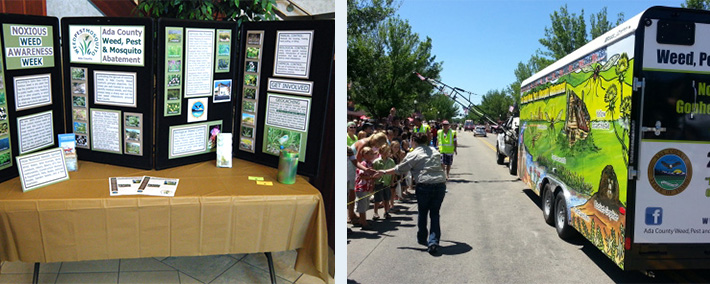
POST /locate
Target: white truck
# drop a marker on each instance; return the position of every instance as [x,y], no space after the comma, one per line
[507,143]
[615,138]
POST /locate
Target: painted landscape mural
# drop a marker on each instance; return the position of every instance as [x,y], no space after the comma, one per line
[578,125]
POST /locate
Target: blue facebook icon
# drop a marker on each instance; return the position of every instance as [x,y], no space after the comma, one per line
[654,215]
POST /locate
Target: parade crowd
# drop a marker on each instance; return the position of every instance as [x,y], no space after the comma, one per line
[393,159]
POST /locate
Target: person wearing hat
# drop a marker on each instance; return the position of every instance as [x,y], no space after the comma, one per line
[447,146]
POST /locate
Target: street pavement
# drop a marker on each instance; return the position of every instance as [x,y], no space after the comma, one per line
[492,232]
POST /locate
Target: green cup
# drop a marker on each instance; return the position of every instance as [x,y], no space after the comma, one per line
[288,163]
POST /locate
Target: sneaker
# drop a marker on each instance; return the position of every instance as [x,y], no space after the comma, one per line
[388,216]
[432,249]
[376,217]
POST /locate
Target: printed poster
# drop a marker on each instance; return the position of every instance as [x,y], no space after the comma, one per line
[293,53]
[35,131]
[199,45]
[112,45]
[106,130]
[28,46]
[115,88]
[42,169]
[286,124]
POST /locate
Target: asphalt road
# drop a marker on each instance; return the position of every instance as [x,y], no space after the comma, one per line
[492,232]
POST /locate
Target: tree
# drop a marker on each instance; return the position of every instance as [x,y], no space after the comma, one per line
[363,16]
[440,107]
[228,10]
[496,103]
[696,4]
[568,33]
[600,25]
[380,66]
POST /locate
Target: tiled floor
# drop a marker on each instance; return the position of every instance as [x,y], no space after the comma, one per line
[237,268]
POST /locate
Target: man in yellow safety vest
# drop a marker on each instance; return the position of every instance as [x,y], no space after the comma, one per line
[447,146]
[421,128]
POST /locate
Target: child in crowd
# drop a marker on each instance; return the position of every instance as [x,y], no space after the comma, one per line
[351,186]
[384,183]
[396,178]
[362,134]
[364,185]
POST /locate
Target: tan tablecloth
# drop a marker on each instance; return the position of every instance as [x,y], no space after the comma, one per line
[214,211]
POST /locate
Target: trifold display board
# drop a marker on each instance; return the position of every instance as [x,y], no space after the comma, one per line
[283,79]
[196,69]
[31,112]
[108,86]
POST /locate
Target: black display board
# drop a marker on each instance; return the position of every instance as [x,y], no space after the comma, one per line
[31,113]
[108,86]
[195,81]
[284,77]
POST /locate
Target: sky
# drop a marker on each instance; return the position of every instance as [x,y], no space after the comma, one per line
[481,42]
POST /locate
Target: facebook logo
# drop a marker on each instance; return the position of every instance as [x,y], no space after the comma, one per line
[654,215]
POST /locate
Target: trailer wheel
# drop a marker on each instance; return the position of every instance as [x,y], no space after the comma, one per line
[513,163]
[499,157]
[548,202]
[564,230]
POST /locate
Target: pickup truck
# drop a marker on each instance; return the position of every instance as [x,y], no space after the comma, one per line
[507,143]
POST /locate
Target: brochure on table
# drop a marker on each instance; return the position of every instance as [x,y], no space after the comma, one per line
[31,113]
[196,69]
[285,76]
[109,91]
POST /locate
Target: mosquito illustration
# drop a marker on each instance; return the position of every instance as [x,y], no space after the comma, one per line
[597,69]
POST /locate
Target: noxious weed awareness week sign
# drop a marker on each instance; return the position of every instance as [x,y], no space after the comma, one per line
[124,45]
[28,46]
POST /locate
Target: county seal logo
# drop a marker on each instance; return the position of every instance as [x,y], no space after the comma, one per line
[85,43]
[670,172]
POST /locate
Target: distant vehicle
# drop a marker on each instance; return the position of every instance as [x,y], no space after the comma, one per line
[479,131]
[468,125]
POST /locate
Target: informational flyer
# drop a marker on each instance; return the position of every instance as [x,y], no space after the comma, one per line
[187,140]
[286,124]
[115,88]
[124,185]
[157,186]
[35,131]
[28,46]
[106,130]
[114,45]
[33,91]
[293,53]
[224,150]
[42,169]
[199,48]
[67,142]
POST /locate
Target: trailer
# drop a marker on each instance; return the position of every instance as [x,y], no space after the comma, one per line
[615,138]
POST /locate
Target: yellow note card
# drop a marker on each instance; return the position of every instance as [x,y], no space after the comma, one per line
[269,183]
[256,178]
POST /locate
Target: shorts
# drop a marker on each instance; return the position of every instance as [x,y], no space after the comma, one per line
[363,204]
[383,193]
[447,159]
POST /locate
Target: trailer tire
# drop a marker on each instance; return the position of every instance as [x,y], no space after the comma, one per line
[564,230]
[548,204]
[499,157]
[513,163]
